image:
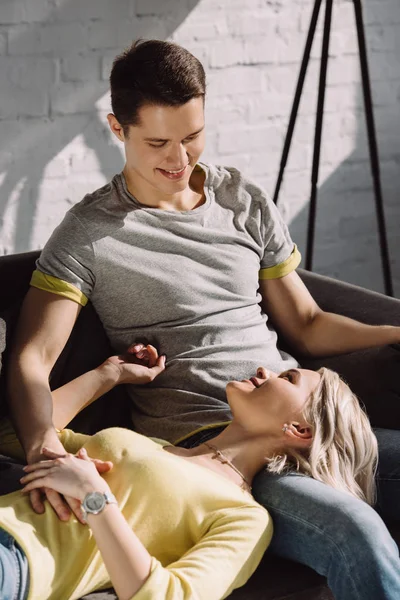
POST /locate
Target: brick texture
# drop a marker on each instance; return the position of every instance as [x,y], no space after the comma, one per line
[55,59]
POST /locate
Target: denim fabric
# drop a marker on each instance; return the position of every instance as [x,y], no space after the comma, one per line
[14,570]
[339,536]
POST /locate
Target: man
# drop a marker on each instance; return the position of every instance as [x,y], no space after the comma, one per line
[179,254]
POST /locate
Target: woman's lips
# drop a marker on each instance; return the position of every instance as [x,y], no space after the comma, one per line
[251,380]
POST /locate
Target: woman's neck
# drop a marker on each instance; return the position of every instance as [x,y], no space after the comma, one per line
[247,454]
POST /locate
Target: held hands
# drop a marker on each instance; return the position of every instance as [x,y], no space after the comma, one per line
[38,493]
[139,365]
[72,476]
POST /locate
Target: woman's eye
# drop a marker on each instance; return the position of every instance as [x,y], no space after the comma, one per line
[157,145]
[288,376]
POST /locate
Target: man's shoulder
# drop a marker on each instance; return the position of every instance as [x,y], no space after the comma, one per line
[98,201]
[220,174]
[235,190]
[222,177]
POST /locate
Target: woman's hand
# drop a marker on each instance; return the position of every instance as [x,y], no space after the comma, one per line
[139,365]
[70,475]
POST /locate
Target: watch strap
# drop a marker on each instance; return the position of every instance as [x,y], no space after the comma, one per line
[110,498]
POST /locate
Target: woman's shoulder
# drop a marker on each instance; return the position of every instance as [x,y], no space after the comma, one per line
[245,511]
[121,434]
[247,525]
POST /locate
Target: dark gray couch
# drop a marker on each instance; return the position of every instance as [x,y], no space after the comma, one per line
[373,375]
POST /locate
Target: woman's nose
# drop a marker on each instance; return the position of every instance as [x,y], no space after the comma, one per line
[264,373]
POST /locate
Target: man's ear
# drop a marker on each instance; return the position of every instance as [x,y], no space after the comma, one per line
[116,127]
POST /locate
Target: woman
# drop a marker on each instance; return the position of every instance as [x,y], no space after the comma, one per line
[166,522]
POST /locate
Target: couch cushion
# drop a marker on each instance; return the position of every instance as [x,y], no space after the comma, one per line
[373,375]
[2,338]
[10,474]
[274,579]
[8,319]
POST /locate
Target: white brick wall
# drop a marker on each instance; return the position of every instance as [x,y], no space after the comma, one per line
[55,58]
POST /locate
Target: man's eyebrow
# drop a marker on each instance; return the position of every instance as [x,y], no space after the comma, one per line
[165,140]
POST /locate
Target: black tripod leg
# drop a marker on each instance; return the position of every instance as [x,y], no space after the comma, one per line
[297,97]
[318,135]
[373,148]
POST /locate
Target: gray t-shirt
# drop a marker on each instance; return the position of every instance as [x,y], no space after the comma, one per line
[186,282]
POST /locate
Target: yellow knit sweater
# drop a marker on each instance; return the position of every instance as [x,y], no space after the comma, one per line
[205,534]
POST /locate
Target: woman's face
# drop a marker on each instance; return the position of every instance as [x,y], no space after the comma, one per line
[267,401]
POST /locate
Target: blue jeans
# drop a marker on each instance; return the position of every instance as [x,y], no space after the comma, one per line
[14,570]
[340,537]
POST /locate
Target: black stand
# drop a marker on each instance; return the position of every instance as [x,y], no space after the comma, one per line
[373,148]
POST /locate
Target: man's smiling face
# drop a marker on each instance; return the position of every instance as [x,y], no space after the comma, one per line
[163,149]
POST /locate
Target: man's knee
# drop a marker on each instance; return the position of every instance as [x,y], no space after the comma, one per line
[362,529]
[302,507]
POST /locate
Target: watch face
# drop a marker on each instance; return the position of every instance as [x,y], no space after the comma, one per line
[95,502]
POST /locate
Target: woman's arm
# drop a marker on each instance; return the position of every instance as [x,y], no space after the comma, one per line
[225,556]
[139,365]
[75,395]
[126,559]
[222,560]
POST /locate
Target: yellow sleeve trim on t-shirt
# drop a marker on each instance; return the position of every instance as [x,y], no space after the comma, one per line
[48,283]
[277,271]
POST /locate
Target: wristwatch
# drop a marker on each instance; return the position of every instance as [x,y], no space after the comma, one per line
[94,503]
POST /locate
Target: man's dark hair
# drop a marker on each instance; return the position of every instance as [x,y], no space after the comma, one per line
[153,72]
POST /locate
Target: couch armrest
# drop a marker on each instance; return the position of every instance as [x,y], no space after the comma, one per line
[372,374]
[352,301]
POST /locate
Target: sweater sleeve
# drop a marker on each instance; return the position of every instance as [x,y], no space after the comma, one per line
[73,441]
[224,558]
[11,446]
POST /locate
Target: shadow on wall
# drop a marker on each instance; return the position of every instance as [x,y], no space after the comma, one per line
[42,115]
[346,241]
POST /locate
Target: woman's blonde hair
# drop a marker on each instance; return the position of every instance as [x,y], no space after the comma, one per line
[344,450]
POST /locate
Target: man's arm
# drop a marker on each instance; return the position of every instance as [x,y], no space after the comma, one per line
[44,325]
[310,330]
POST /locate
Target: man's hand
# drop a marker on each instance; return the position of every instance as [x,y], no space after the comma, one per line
[62,506]
[140,365]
